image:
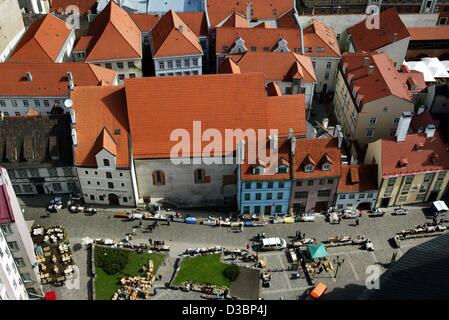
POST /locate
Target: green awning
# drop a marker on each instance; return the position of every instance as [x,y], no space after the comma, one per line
[317,250]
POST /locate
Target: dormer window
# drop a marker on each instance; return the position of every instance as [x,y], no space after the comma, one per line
[403,162]
[239,46]
[435,158]
[282,46]
[258,170]
[283,169]
[326,166]
[309,168]
[419,146]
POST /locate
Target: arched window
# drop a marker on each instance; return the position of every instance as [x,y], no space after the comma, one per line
[199,175]
[258,170]
[158,178]
[283,169]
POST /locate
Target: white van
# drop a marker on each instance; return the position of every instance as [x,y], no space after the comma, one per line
[274,243]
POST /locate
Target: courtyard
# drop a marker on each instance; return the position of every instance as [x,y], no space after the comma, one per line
[347,284]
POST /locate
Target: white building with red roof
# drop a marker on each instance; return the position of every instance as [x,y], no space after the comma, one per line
[370,95]
[412,167]
[44,86]
[113,41]
[13,27]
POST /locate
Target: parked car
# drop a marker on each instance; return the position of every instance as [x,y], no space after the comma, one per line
[333,217]
[399,211]
[308,217]
[350,213]
[439,208]
[317,292]
[376,212]
[274,243]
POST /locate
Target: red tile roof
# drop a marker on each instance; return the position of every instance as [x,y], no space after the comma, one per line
[413,80]
[366,39]
[319,150]
[287,20]
[283,157]
[382,82]
[273,90]
[145,22]
[429,33]
[236,20]
[418,160]
[113,26]
[42,42]
[276,66]
[219,101]
[421,121]
[317,35]
[218,10]
[197,22]
[172,37]
[85,6]
[49,79]
[358,178]
[100,112]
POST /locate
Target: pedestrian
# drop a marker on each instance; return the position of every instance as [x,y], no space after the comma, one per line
[263,235]
[140,223]
[150,241]
[168,222]
[393,257]
[247,247]
[134,230]
[435,221]
[357,221]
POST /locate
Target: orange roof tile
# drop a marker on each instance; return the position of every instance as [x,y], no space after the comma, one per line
[83,43]
[101,114]
[172,37]
[219,101]
[317,35]
[236,20]
[382,82]
[113,26]
[429,33]
[49,79]
[229,66]
[316,150]
[246,168]
[276,66]
[358,178]
[42,42]
[85,6]
[145,22]
[264,25]
[287,20]
[390,23]
[418,160]
[218,10]
[421,121]
[196,21]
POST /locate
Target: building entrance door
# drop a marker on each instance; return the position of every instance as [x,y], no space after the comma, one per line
[267,210]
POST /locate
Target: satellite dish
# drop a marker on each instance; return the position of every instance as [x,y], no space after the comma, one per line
[68,103]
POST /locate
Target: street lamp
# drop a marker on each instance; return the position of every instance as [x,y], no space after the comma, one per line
[338,262]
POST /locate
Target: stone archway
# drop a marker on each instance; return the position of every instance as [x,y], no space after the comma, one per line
[113,199]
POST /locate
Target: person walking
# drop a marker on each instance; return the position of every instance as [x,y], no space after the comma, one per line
[150,241]
[357,222]
[247,247]
[140,223]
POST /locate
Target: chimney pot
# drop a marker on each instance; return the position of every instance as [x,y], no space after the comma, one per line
[395,37]
[325,123]
[421,109]
[365,61]
[181,28]
[404,124]
[370,69]
[29,76]
[430,130]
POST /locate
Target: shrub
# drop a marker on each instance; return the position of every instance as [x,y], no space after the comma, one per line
[112,261]
[231,272]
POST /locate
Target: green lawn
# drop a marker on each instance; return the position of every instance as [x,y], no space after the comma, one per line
[106,285]
[206,269]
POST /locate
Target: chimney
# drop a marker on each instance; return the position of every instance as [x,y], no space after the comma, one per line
[2,115]
[29,76]
[430,130]
[293,145]
[181,28]
[370,69]
[248,11]
[325,123]
[290,133]
[404,123]
[365,61]
[395,37]
[70,80]
[241,151]
[339,136]
[421,109]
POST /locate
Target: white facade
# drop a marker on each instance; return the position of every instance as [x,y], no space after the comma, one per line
[126,68]
[35,6]
[67,48]
[353,199]
[17,106]
[107,184]
[12,27]
[306,88]
[51,180]
[17,257]
[326,72]
[178,66]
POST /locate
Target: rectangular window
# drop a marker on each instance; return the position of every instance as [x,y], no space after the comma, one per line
[20,262]
[369,133]
[56,187]
[322,182]
[281,185]
[310,182]
[132,75]
[14,103]
[330,181]
[326,76]
[37,103]
[108,175]
[278,209]
[186,63]
[108,65]
[258,196]
[257,209]
[248,185]
[441,175]
[269,196]
[362,196]
[247,196]
[259,185]
[299,183]
[110,185]
[245,209]
[125,199]
[92,197]
[253,49]
[121,77]
[46,103]
[270,185]
[372,120]
[6,228]
[352,196]
[329,65]
[280,195]
[342,196]
[301,195]
[52,172]
[13,246]
[2,103]
[178,63]
[324,193]
[26,277]
[195,62]
[170,64]
[161,65]
[391,182]
[396,120]
[25,103]
[120,65]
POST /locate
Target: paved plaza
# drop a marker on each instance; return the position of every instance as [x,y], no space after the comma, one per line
[348,284]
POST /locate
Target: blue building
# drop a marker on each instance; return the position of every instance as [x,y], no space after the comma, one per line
[264,190]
